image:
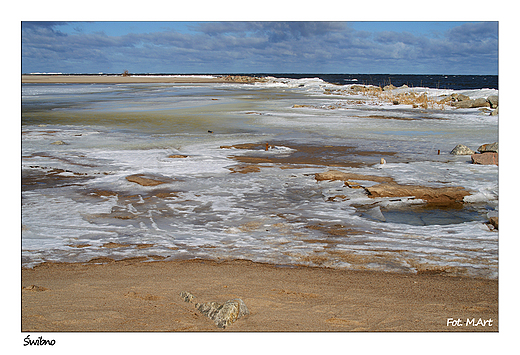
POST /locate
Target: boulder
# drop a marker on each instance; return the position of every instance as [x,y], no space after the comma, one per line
[461,149]
[494,222]
[493,101]
[480,102]
[455,98]
[495,112]
[491,147]
[487,158]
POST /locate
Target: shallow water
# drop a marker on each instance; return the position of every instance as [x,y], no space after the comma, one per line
[223,202]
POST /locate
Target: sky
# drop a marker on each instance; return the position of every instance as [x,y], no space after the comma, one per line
[213,47]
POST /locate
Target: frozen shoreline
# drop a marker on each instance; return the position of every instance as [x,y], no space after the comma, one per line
[242,203]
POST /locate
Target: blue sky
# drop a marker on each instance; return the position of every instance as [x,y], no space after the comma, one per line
[405,47]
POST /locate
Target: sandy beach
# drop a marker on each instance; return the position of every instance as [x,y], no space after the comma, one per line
[131,295]
[130,79]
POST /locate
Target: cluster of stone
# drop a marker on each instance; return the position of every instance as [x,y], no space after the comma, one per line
[486,154]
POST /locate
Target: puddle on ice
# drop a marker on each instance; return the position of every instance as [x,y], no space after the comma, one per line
[420,216]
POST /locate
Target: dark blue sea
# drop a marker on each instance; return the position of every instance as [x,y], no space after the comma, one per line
[454,82]
[434,81]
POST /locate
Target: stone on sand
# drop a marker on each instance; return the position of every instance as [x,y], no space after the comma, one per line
[222,314]
[461,149]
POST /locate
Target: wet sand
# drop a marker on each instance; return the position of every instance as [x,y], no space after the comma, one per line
[130,295]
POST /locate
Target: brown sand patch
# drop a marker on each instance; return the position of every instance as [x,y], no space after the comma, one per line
[441,196]
[101,260]
[339,230]
[388,117]
[166,194]
[451,196]
[148,180]
[115,245]
[177,156]
[244,169]
[342,176]
[144,297]
[248,146]
[79,245]
[250,226]
[305,155]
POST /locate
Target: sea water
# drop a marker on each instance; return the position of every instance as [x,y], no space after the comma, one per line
[80,142]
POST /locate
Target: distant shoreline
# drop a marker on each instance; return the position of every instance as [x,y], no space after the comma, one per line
[131,79]
[452,82]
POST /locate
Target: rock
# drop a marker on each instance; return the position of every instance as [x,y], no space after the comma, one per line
[487,158]
[148,180]
[480,102]
[444,196]
[495,112]
[462,104]
[493,101]
[222,314]
[186,296]
[225,314]
[492,147]
[494,222]
[461,149]
[455,98]
[59,143]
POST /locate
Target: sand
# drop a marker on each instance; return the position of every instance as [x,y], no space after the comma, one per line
[130,295]
[120,79]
